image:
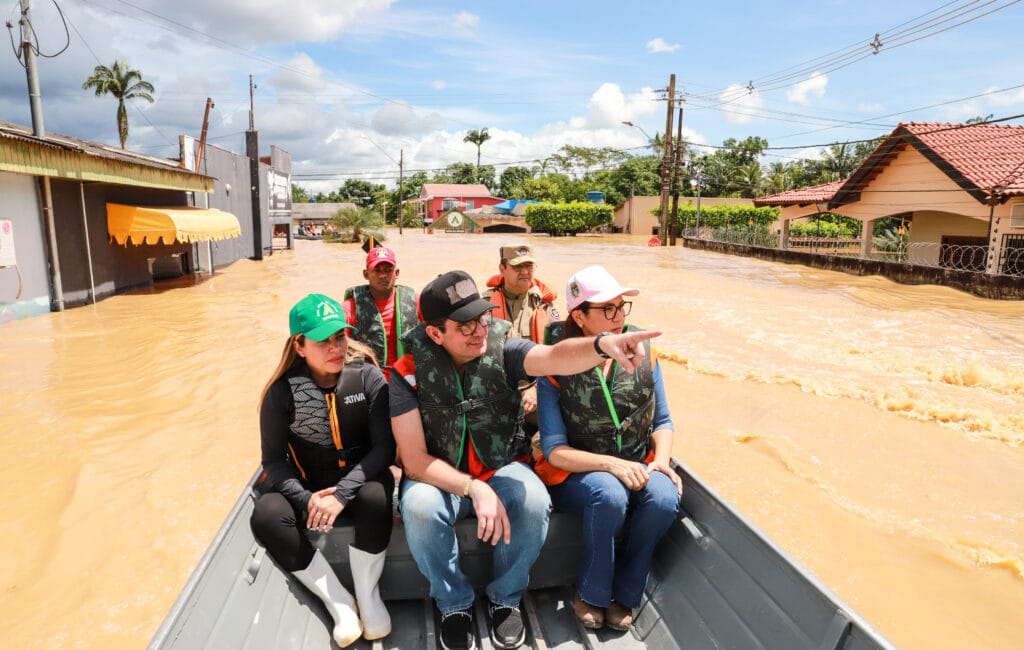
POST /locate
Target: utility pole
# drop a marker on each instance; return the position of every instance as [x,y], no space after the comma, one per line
[35,98]
[676,161]
[401,189]
[666,164]
[202,136]
[252,106]
[28,48]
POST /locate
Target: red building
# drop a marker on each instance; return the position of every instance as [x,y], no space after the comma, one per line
[436,199]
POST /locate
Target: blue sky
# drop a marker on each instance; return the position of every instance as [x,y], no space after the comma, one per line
[344,86]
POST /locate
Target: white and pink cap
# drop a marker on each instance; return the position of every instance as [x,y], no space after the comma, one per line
[594,284]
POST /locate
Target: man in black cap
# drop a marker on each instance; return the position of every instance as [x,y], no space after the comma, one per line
[457,417]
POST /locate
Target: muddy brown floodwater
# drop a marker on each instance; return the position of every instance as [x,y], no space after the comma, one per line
[873,430]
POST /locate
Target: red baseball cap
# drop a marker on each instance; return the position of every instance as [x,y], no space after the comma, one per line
[379,255]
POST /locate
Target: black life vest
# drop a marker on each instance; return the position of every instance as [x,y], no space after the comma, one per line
[327,440]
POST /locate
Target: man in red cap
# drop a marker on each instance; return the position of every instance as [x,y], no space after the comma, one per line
[382,309]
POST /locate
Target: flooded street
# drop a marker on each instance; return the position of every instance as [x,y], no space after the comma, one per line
[875,431]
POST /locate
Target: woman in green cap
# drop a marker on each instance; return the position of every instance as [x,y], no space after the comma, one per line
[327,444]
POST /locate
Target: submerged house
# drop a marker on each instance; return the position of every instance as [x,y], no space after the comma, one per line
[957,188]
[82,220]
[436,199]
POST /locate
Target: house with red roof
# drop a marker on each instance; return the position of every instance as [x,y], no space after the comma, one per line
[956,186]
[437,199]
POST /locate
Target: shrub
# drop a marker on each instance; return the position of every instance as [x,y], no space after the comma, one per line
[567,217]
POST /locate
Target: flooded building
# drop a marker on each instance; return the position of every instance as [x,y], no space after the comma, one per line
[82,220]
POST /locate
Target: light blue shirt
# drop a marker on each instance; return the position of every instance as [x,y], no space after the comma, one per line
[549,416]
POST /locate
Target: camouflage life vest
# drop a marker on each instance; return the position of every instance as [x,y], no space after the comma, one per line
[328,439]
[607,416]
[371,325]
[480,403]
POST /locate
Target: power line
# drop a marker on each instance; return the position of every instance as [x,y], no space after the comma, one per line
[893,38]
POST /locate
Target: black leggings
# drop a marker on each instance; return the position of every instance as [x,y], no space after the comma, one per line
[278,526]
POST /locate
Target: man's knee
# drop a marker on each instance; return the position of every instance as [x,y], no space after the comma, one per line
[421,504]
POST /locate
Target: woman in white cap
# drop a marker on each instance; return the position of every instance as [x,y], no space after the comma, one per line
[327,443]
[606,436]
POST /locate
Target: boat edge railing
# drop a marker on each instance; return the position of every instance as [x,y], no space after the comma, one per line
[804,572]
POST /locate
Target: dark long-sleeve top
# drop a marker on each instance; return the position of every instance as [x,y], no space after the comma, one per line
[276,414]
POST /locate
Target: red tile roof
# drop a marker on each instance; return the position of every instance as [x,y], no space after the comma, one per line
[453,190]
[983,159]
[989,156]
[802,195]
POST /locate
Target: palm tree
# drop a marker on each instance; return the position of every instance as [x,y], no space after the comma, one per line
[477,138]
[123,83]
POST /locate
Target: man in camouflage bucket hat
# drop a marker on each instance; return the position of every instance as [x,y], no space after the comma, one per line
[457,418]
[527,303]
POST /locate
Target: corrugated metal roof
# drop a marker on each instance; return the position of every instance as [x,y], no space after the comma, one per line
[61,156]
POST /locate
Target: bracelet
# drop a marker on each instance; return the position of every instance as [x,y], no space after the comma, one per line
[465,490]
[597,345]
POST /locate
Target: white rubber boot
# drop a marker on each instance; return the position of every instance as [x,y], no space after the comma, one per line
[320,578]
[366,570]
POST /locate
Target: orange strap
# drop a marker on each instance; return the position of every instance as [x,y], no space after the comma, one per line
[335,425]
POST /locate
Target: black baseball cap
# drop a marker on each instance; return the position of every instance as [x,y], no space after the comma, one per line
[453,295]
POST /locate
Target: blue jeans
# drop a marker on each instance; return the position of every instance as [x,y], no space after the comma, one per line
[608,507]
[430,514]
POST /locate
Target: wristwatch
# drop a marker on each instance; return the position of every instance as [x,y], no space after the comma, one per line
[597,345]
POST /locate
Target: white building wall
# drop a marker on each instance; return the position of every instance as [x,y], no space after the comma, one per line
[20,205]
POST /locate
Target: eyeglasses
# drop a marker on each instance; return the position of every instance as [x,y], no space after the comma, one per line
[610,311]
[468,328]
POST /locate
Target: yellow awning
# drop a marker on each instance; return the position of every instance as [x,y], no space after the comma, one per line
[149,225]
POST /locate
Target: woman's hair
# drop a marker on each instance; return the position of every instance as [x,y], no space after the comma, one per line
[356,349]
[572,328]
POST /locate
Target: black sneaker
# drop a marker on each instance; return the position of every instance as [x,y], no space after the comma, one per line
[457,630]
[507,629]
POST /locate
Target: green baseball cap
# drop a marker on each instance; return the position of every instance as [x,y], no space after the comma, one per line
[317,317]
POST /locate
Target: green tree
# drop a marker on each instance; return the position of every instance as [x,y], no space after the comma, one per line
[465,174]
[512,180]
[363,193]
[540,170]
[752,181]
[637,176]
[353,224]
[572,159]
[477,137]
[541,189]
[123,83]
[299,194]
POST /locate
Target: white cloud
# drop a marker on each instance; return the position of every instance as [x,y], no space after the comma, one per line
[465,22]
[658,46]
[740,105]
[609,107]
[299,73]
[812,86]
[248,22]
[396,118]
[438,84]
[873,108]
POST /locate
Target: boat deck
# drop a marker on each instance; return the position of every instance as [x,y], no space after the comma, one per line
[716,583]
